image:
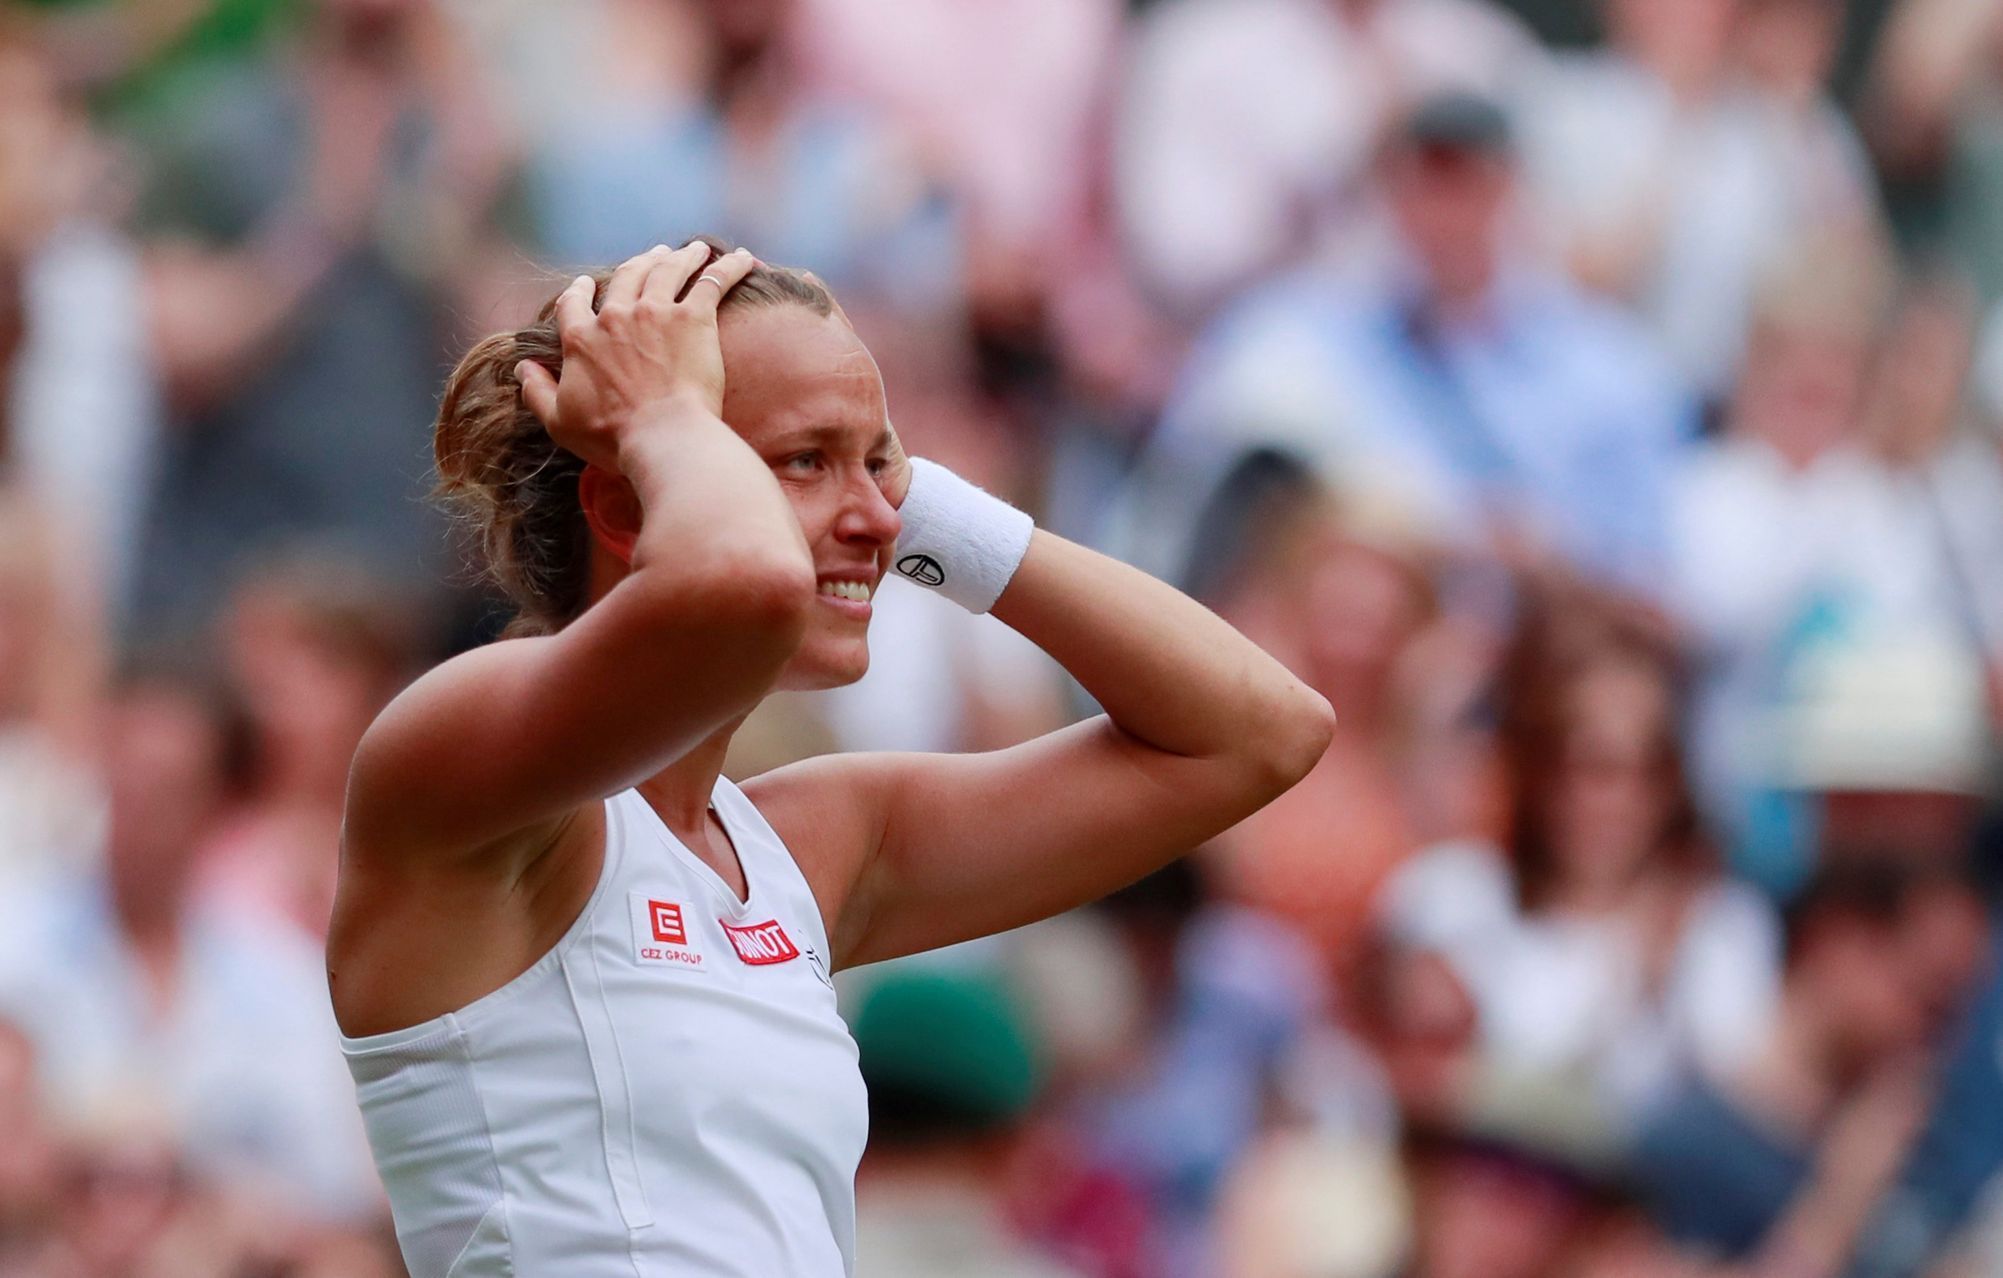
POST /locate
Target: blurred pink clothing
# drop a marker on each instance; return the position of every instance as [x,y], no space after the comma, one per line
[998,94]
[281,866]
[1244,123]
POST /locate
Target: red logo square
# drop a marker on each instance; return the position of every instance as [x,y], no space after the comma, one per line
[666,916]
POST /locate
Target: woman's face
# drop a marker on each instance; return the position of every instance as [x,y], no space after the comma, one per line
[1362,608]
[1609,802]
[1800,391]
[1679,36]
[804,393]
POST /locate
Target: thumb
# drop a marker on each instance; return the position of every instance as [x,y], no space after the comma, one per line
[538,391]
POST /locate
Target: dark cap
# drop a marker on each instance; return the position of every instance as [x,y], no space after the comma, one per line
[950,1043]
[1459,120]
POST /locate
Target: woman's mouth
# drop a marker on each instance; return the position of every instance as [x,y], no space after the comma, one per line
[849,595]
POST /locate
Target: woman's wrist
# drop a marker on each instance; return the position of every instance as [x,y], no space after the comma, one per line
[958,540]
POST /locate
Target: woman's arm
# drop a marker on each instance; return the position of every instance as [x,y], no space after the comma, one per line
[1201,728]
[519,733]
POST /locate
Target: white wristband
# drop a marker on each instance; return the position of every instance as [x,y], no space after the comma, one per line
[957,539]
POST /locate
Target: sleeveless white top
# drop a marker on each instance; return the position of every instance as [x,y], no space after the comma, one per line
[667,1092]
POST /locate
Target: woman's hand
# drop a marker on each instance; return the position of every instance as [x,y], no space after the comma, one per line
[896,476]
[651,342]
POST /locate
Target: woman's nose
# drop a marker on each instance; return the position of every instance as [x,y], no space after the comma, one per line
[867,515]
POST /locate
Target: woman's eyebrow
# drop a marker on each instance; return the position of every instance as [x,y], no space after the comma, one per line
[827,437]
[809,437]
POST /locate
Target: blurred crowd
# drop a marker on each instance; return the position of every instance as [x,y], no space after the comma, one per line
[1599,401]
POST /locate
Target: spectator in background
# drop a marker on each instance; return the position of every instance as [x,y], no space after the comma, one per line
[1340,591]
[998,103]
[1242,991]
[131,1207]
[315,216]
[1324,1191]
[1794,538]
[1935,442]
[79,407]
[1605,951]
[1007,106]
[1745,155]
[1247,126]
[1787,51]
[1782,1162]
[142,999]
[1527,421]
[1934,115]
[1658,175]
[50,806]
[29,1159]
[1488,1210]
[1950,1198]
[1882,743]
[135,57]
[952,1074]
[704,126]
[75,427]
[317,647]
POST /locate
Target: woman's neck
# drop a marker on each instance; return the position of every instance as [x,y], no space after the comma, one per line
[680,792]
[1601,891]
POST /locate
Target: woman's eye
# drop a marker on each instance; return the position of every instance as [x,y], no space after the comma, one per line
[877,466]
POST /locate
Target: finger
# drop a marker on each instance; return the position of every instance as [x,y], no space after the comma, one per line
[624,287]
[538,390]
[573,305]
[669,279]
[708,289]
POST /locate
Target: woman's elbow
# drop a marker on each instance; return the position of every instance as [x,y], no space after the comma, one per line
[773,590]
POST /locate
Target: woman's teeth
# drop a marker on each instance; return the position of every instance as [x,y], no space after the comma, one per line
[856,590]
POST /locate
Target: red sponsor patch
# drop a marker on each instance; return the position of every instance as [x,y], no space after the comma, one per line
[666,919]
[761,943]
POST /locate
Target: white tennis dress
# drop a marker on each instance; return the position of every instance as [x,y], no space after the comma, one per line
[667,1093]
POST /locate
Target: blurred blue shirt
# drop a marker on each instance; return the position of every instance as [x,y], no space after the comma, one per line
[831,194]
[1549,413]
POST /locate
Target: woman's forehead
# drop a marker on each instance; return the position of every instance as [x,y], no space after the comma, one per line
[786,369]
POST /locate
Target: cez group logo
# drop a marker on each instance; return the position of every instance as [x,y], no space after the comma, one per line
[661,934]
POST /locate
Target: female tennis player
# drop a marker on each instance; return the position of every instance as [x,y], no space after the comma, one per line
[584,979]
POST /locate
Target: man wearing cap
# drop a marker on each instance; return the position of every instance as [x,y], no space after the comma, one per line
[952,1071]
[1447,365]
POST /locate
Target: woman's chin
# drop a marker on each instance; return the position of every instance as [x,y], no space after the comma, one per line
[823,663]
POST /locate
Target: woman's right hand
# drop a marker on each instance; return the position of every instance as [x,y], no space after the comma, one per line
[641,349]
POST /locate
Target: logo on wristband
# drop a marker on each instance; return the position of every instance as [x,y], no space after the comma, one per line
[922,569]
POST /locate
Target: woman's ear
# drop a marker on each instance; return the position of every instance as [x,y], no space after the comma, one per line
[612,509]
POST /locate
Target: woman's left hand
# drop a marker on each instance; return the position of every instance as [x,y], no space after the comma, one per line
[896,476]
